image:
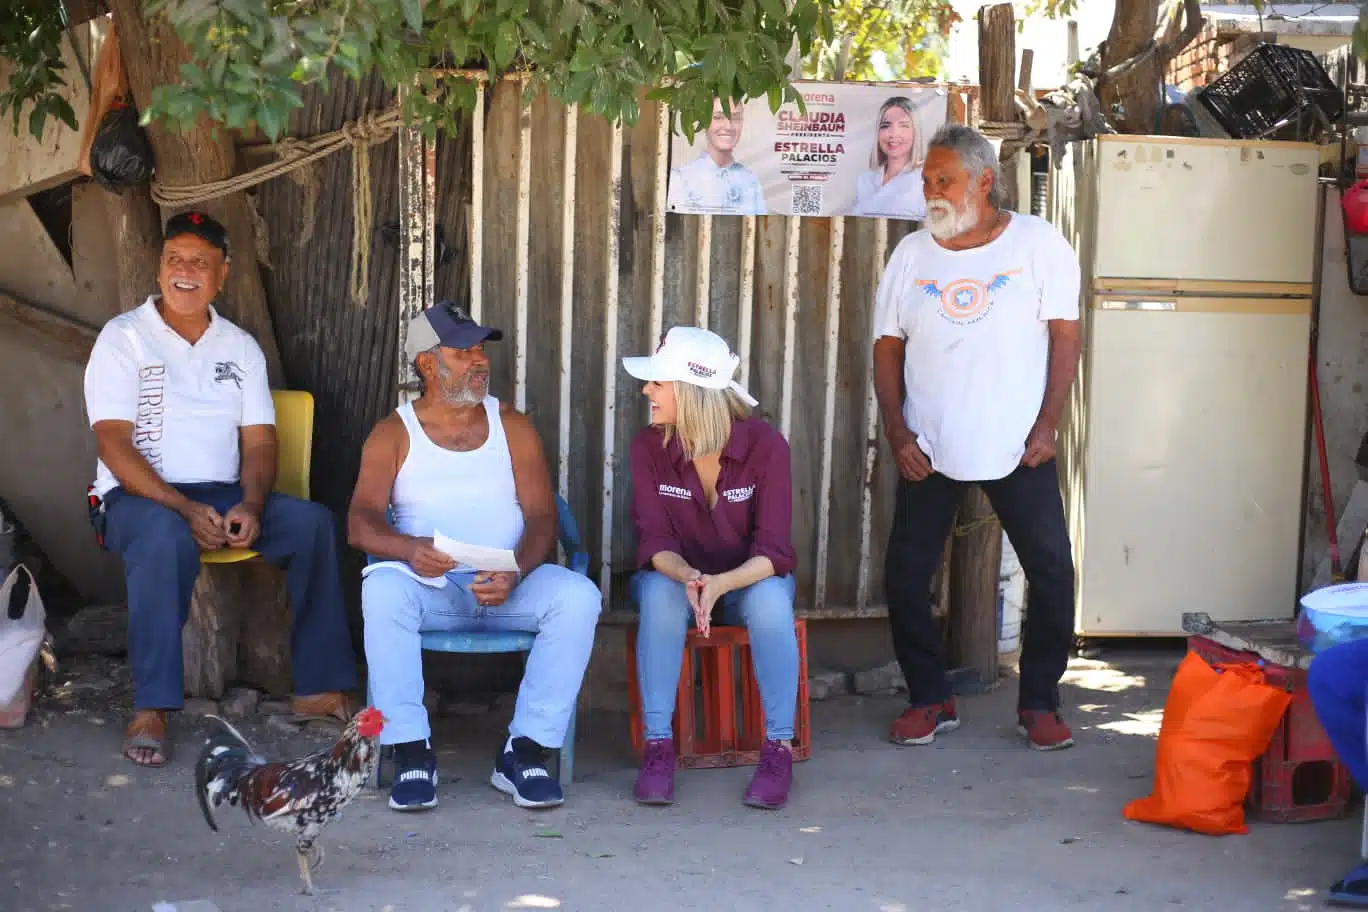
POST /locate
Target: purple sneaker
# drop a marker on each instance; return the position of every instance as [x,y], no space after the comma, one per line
[769,786]
[655,782]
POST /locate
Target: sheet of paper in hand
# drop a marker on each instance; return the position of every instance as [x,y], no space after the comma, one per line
[476,557]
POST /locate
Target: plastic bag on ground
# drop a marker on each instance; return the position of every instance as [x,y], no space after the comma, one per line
[1217,720]
[22,631]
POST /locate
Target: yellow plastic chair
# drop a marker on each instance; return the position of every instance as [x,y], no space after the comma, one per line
[294,413]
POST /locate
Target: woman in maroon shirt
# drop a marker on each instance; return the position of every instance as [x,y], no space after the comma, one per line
[712,504]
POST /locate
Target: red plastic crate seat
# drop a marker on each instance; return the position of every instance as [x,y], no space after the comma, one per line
[1299,778]
[718,719]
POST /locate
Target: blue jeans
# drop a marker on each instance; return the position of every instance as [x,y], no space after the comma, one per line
[1338,683]
[161,562]
[766,609]
[560,606]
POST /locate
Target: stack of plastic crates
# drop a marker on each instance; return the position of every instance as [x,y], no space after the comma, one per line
[1270,88]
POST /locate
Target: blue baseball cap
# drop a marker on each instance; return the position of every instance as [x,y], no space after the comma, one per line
[447,325]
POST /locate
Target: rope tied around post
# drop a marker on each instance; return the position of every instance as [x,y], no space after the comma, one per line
[292,156]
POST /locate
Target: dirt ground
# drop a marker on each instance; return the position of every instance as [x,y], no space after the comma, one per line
[974,822]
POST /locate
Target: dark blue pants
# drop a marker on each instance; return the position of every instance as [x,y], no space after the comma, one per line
[1338,682]
[1031,509]
[162,561]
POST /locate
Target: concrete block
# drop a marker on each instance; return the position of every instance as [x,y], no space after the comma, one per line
[32,268]
[823,685]
[241,702]
[884,679]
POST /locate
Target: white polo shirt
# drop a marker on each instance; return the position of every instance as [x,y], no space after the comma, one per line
[976,326]
[186,402]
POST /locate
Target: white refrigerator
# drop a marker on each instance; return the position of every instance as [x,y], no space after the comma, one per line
[1182,454]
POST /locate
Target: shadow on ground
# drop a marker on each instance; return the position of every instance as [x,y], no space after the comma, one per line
[973,822]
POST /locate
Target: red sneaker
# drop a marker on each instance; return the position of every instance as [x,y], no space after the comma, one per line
[1045,731]
[921,724]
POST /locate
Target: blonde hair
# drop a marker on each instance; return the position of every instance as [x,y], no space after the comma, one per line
[916,155]
[703,418]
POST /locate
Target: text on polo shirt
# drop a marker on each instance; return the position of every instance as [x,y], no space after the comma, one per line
[147,430]
[668,490]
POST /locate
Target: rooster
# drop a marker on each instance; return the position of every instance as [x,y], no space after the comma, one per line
[301,796]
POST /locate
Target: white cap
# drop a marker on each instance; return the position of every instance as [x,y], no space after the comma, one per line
[690,354]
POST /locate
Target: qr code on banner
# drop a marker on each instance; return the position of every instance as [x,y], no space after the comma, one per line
[807,200]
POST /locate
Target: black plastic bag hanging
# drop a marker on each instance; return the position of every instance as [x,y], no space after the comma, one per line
[120,155]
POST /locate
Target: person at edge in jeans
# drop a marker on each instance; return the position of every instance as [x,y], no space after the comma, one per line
[976,343]
[1338,684]
[712,504]
[459,462]
[184,424]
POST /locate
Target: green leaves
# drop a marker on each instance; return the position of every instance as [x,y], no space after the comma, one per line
[31,41]
[250,60]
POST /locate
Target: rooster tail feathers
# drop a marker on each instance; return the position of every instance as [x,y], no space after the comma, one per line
[225,759]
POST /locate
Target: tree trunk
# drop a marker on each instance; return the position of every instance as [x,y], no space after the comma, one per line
[152,55]
[975,565]
[1135,54]
[1137,90]
[236,608]
[133,218]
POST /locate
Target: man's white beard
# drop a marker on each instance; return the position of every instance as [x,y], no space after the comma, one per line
[945,221]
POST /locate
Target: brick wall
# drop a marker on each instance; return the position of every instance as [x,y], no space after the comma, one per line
[1211,53]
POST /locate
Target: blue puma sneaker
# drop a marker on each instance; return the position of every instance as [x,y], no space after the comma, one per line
[415,778]
[521,772]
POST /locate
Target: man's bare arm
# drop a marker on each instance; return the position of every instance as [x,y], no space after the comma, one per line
[889,353]
[1066,343]
[532,477]
[368,528]
[114,441]
[259,450]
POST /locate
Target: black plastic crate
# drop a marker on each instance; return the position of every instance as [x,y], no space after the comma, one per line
[1272,86]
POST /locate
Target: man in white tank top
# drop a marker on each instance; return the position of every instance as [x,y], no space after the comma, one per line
[457,462]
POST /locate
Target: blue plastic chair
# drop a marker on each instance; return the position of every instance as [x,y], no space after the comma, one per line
[484,642]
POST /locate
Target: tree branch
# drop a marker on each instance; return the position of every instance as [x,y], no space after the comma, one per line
[1193,20]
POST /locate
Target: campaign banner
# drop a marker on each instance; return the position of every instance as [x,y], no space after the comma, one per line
[857,149]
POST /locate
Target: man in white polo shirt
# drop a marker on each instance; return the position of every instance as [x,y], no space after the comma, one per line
[181,407]
[976,346]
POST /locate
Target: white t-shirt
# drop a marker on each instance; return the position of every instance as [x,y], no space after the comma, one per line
[186,402]
[978,340]
[899,198]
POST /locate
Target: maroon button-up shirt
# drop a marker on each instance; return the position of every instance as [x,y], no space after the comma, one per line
[754,511]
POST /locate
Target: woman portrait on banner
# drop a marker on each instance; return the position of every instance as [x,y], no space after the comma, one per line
[892,187]
[716,183]
[712,503]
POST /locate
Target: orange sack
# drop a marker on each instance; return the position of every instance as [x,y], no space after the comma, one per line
[1217,720]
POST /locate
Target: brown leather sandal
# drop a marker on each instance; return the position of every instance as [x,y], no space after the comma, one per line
[329,707]
[147,732]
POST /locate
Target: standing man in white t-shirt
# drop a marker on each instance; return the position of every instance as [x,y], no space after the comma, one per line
[976,344]
[181,407]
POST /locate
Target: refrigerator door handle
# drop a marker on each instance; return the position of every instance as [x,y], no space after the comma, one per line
[1134,304]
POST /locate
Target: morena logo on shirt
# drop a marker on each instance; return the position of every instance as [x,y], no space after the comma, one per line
[966,300]
[678,493]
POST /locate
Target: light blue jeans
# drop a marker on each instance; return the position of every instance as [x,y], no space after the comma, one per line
[766,610]
[560,606]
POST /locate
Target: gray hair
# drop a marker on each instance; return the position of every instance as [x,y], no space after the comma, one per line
[436,352]
[977,155]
